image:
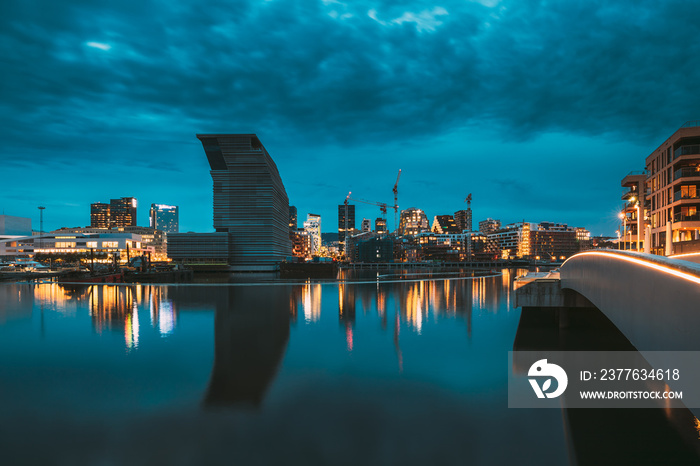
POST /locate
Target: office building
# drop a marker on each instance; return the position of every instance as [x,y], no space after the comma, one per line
[99,215]
[15,226]
[122,212]
[164,218]
[346,220]
[413,221]
[104,246]
[119,213]
[199,248]
[151,239]
[250,202]
[312,226]
[463,220]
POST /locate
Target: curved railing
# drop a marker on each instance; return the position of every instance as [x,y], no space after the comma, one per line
[653,300]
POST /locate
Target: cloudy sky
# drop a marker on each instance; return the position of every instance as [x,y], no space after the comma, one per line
[537,108]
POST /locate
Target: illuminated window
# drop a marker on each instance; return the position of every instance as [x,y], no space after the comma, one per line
[110,244]
[92,244]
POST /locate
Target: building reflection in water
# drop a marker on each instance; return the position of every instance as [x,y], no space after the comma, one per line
[251,331]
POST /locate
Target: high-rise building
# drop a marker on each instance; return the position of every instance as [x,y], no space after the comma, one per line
[250,202]
[293,222]
[122,212]
[366,225]
[99,215]
[380,225]
[342,216]
[119,213]
[312,226]
[413,221]
[165,218]
[463,220]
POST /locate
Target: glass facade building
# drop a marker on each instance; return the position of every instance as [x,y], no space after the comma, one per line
[165,218]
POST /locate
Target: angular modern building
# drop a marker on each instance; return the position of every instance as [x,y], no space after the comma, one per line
[250,202]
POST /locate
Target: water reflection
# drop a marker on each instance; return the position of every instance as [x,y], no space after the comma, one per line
[251,331]
[332,371]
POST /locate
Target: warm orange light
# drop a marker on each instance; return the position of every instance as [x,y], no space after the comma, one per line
[651,265]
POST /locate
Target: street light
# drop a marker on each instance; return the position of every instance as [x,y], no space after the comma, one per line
[623,217]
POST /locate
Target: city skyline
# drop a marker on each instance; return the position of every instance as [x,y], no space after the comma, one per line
[538,110]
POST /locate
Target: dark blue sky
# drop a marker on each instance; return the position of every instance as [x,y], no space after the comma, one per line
[538,108]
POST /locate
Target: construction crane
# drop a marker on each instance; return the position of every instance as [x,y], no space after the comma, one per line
[382,205]
[396,201]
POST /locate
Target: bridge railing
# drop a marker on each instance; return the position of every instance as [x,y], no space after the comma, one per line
[653,300]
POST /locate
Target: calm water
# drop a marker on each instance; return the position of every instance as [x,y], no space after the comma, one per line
[267,373]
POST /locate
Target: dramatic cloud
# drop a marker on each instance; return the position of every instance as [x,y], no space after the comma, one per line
[130,82]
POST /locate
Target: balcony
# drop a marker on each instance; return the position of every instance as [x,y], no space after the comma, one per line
[678,195]
[687,150]
[680,217]
[687,172]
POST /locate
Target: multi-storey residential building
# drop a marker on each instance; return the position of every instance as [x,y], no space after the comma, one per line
[463,220]
[443,224]
[165,218]
[489,225]
[366,225]
[545,241]
[673,181]
[250,202]
[633,209]
[346,220]
[413,221]
[301,243]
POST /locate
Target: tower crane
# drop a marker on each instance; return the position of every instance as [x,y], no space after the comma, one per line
[382,205]
[396,200]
